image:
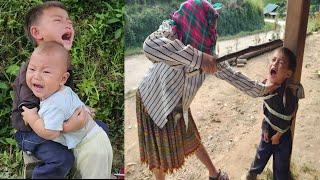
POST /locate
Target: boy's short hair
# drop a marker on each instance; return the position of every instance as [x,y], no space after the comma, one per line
[50,47]
[292,59]
[35,13]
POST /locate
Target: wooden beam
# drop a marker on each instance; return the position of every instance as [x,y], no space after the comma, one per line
[248,50]
[261,51]
[295,36]
[296,28]
[233,56]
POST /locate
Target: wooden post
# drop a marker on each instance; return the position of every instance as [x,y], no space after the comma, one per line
[295,36]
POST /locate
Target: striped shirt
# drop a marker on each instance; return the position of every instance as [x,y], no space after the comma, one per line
[167,80]
[278,109]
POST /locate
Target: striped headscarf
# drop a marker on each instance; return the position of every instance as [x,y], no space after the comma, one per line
[194,24]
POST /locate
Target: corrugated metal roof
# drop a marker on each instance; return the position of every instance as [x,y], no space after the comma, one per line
[269,8]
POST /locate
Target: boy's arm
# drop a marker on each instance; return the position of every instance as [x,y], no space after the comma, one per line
[77,121]
[242,82]
[26,96]
[37,124]
[22,95]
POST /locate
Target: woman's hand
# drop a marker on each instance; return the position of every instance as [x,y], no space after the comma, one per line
[208,64]
[29,115]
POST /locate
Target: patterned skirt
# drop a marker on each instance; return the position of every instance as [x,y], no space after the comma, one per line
[167,148]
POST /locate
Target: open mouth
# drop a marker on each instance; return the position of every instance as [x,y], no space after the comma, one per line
[37,87]
[273,71]
[66,36]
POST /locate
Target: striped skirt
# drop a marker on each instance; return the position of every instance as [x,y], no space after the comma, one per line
[166,148]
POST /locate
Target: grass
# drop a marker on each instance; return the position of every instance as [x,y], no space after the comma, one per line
[296,172]
[257,3]
[310,171]
[314,23]
[266,174]
[11,163]
[268,27]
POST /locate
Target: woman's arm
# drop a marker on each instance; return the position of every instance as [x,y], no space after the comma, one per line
[162,46]
[242,82]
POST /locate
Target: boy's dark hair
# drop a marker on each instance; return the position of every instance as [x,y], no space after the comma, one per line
[292,63]
[35,13]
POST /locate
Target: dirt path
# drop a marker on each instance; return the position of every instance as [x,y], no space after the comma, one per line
[229,124]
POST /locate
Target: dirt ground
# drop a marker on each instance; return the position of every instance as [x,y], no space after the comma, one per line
[229,124]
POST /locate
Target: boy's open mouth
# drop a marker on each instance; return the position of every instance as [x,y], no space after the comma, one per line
[273,71]
[66,36]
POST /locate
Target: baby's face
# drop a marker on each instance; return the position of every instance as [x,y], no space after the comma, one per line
[55,25]
[46,74]
[278,69]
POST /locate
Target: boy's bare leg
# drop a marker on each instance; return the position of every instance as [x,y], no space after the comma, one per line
[159,174]
[203,156]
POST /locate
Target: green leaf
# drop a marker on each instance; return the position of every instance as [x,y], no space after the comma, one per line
[93,28]
[3,85]
[2,141]
[3,130]
[113,20]
[118,33]
[10,141]
[13,69]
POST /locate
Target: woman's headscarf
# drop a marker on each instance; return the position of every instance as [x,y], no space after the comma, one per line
[194,24]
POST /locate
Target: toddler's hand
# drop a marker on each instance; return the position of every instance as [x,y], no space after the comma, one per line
[29,115]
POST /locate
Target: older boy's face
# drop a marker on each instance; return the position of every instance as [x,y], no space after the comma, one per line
[55,25]
[279,69]
[45,74]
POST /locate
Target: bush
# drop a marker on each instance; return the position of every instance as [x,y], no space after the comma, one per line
[247,17]
[314,23]
[142,20]
[97,58]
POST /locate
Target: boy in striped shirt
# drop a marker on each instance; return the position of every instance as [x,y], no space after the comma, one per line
[278,109]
